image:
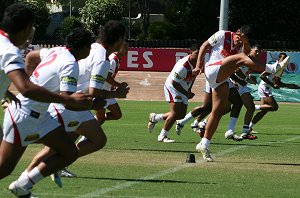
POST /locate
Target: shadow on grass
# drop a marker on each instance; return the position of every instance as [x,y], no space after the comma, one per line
[145,180]
[265,163]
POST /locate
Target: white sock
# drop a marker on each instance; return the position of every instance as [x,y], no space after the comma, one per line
[31,178]
[257,107]
[251,125]
[164,133]
[23,174]
[196,122]
[158,117]
[232,123]
[204,142]
[186,118]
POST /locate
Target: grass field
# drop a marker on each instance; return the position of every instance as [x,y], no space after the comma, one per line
[133,164]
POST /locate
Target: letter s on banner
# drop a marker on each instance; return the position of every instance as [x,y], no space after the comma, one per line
[147,59]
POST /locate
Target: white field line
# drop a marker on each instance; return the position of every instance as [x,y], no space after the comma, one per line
[101,192]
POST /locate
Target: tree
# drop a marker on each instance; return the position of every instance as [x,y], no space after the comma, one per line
[42,13]
[193,18]
[98,12]
[4,4]
[143,6]
[271,20]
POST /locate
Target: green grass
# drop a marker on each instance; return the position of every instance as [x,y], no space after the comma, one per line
[133,164]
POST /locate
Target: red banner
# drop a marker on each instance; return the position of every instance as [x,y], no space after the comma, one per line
[150,59]
[155,59]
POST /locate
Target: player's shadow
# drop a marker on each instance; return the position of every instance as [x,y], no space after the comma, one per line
[264,163]
[146,180]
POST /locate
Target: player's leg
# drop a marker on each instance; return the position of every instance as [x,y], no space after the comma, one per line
[219,98]
[10,155]
[114,113]
[95,138]
[250,108]
[100,115]
[237,104]
[177,111]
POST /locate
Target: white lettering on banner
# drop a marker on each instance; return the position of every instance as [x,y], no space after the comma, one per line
[147,59]
[131,58]
[180,55]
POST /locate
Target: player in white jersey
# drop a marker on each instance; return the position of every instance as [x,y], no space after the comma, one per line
[267,83]
[112,105]
[93,72]
[217,74]
[245,77]
[30,122]
[221,44]
[17,25]
[177,90]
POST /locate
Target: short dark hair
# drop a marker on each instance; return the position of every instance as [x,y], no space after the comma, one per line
[282,54]
[258,46]
[78,38]
[16,18]
[247,31]
[111,32]
[194,47]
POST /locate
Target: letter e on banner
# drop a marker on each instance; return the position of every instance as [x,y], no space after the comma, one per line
[132,57]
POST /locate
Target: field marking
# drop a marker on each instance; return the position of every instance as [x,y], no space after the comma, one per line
[103,191]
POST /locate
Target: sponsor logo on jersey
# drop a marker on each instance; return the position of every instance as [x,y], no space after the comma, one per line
[178,97]
[73,123]
[177,76]
[98,78]
[32,137]
[69,80]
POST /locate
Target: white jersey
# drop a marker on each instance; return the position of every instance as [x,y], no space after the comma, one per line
[94,69]
[222,46]
[57,71]
[182,74]
[114,68]
[10,59]
[270,77]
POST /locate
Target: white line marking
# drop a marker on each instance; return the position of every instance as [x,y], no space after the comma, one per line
[121,186]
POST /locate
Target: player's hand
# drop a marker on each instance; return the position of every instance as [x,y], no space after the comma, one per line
[122,91]
[196,71]
[190,95]
[98,103]
[80,101]
[276,86]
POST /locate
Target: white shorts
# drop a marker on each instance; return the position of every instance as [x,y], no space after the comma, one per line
[243,89]
[70,120]
[172,95]
[23,128]
[211,73]
[110,101]
[207,88]
[264,91]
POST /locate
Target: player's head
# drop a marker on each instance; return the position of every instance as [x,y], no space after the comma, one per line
[17,22]
[194,51]
[79,42]
[246,31]
[124,48]
[112,34]
[281,57]
[255,50]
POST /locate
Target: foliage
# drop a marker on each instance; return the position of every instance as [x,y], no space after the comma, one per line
[193,18]
[98,12]
[4,4]
[68,24]
[42,14]
[161,30]
[271,20]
